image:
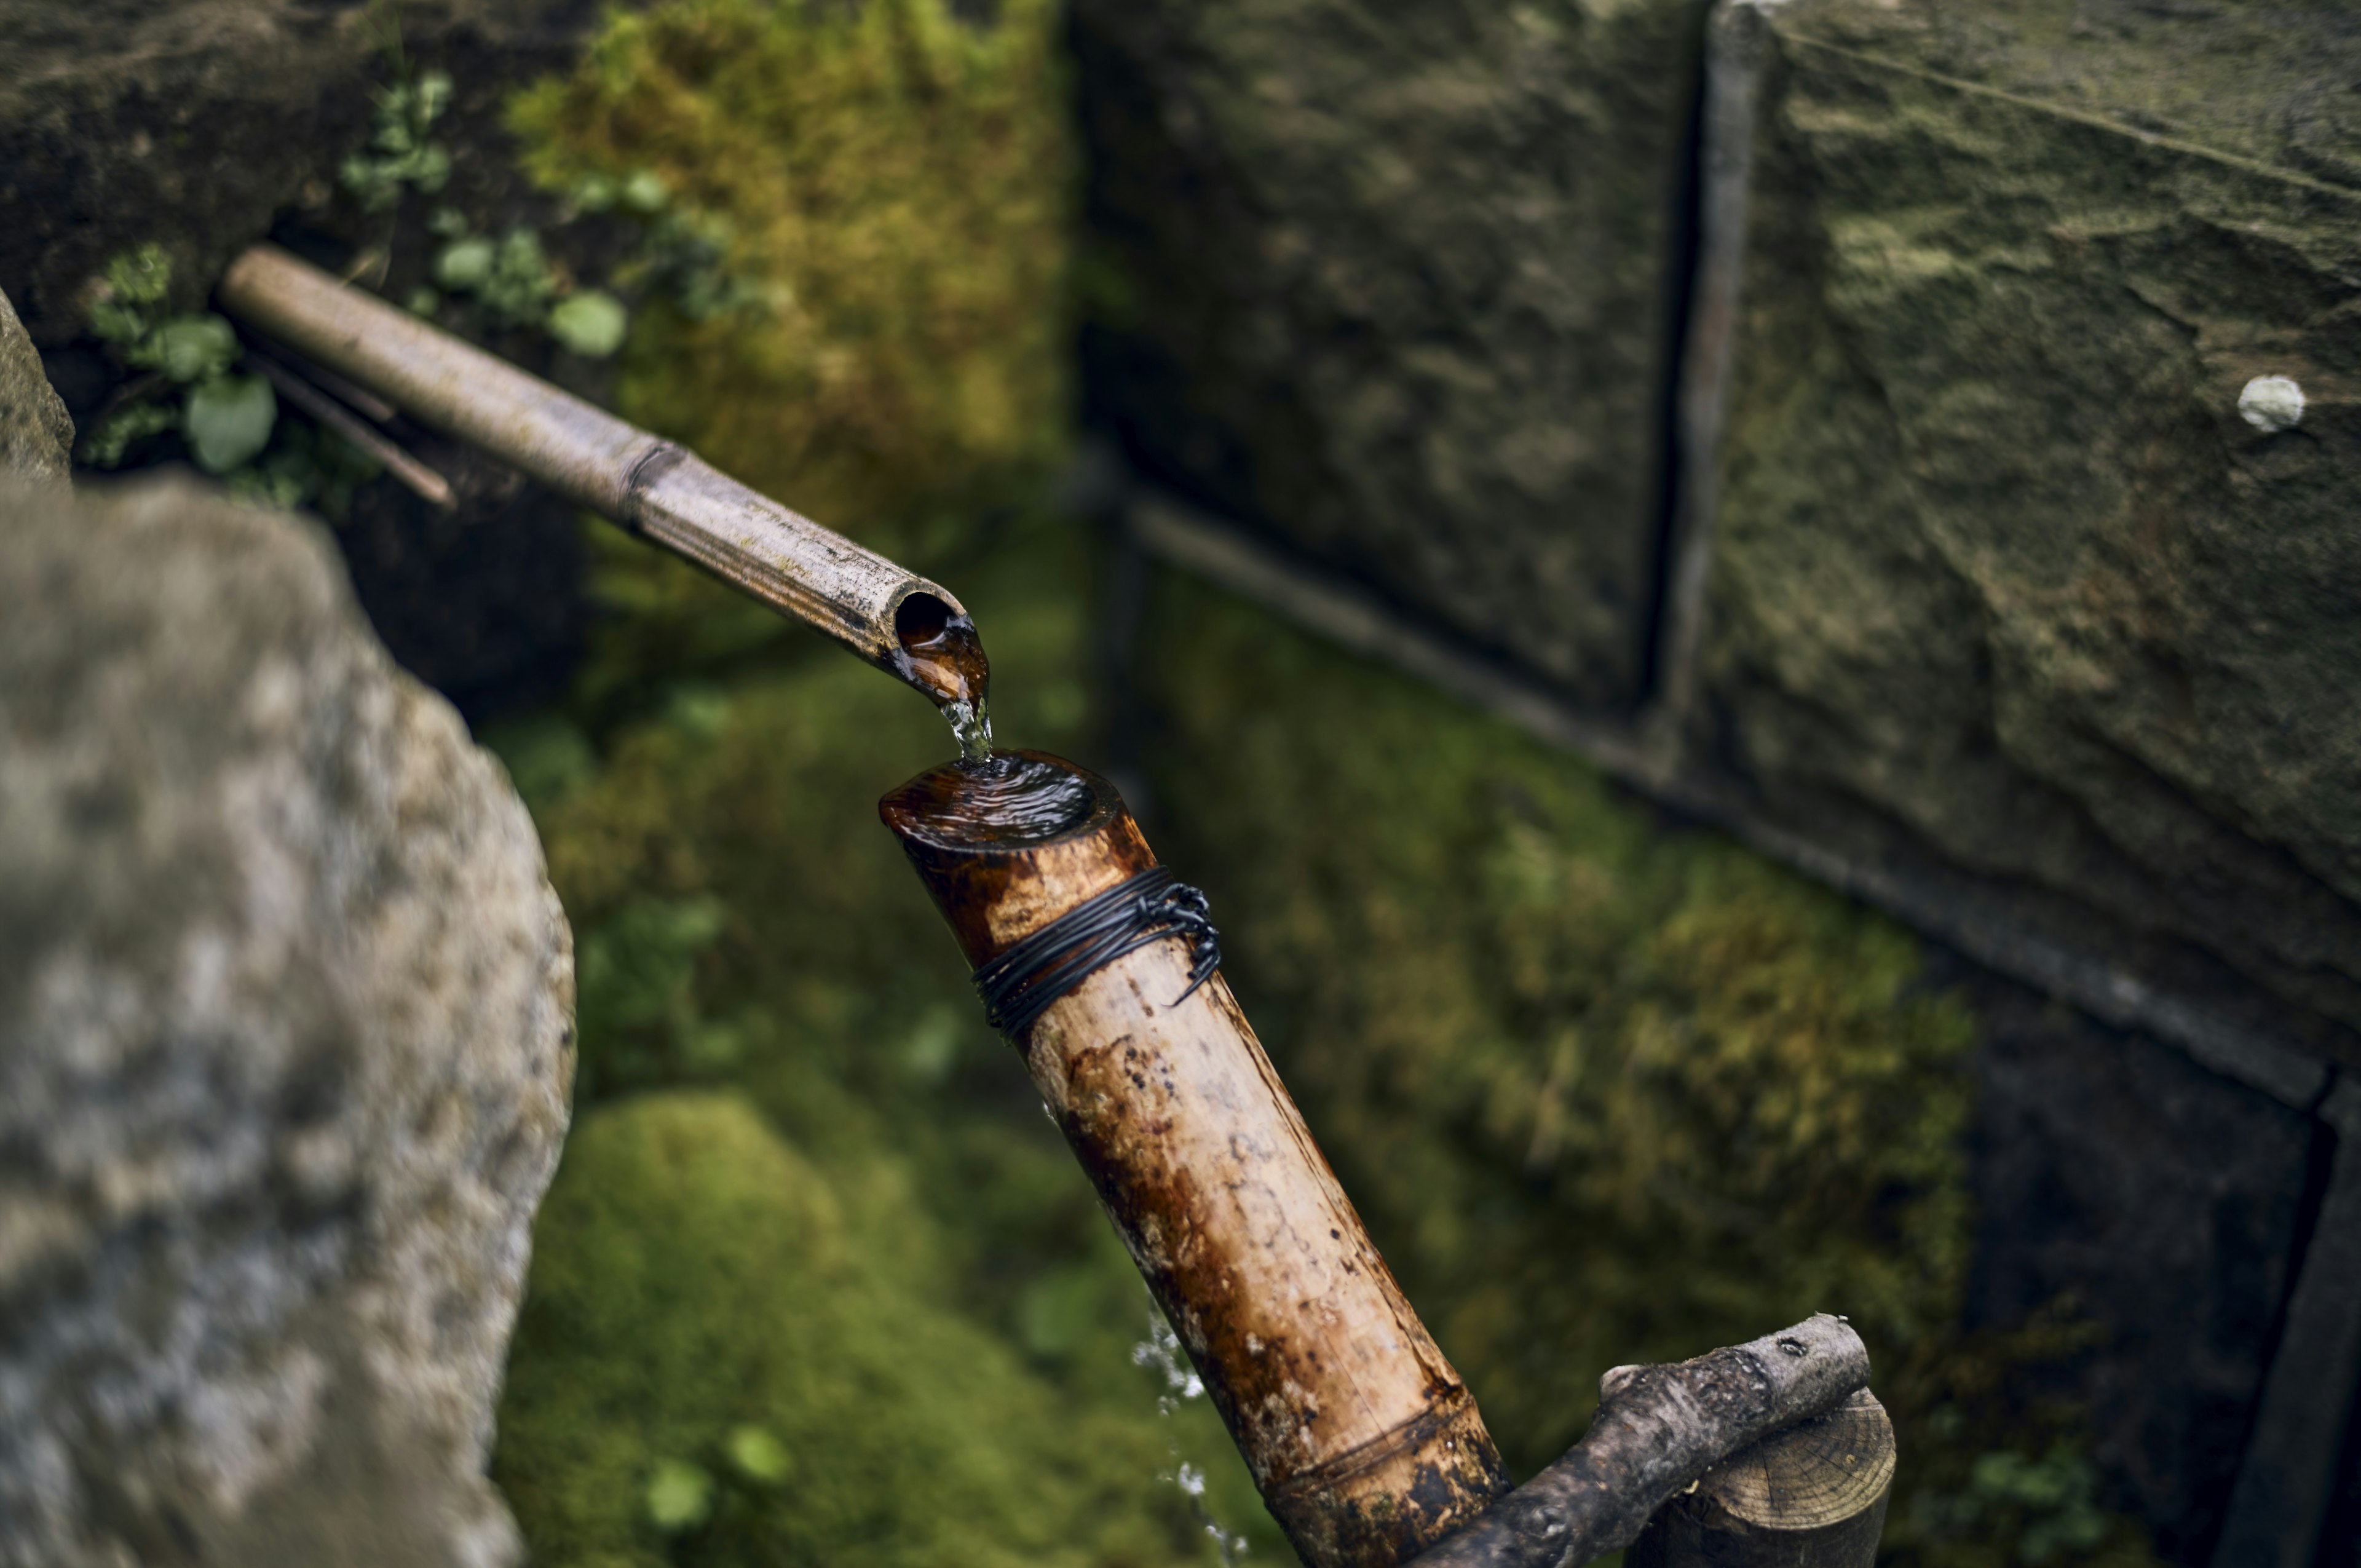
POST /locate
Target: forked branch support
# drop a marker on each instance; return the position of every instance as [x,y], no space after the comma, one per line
[1662,1430]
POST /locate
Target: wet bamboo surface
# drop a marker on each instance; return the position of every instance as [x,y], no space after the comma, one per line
[1365,1442]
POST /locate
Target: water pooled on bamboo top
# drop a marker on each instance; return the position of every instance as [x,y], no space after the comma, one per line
[1009,800]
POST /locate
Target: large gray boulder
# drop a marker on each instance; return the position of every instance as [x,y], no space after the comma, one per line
[36,436]
[285,1054]
[1397,286]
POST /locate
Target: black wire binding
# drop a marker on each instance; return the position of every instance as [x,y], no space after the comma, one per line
[1018,986]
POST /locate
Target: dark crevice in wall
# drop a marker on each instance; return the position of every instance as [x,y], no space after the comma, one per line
[1685,248]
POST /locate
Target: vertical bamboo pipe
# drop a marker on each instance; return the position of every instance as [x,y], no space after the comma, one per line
[1365,1442]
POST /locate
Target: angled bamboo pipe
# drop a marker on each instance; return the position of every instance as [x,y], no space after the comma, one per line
[1365,1443]
[899,621]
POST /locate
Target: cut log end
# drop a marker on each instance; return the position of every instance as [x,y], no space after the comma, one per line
[1811,1497]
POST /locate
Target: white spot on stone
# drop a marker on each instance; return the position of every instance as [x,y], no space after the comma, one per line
[2271,403]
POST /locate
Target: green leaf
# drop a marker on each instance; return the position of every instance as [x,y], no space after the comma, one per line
[228,421]
[430,170]
[465,264]
[680,1496]
[592,324]
[117,324]
[109,442]
[645,191]
[190,348]
[434,96]
[142,277]
[758,1455]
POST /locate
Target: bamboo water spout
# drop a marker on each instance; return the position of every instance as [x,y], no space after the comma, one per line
[899,621]
[1365,1442]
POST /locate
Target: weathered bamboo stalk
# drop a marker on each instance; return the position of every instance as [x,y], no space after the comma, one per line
[1365,1442]
[890,617]
[1658,1430]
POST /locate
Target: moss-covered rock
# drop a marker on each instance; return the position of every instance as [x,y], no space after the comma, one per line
[198,122]
[1399,286]
[2005,553]
[892,184]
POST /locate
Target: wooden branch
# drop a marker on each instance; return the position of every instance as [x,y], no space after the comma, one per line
[395,459]
[1659,1429]
[1810,1496]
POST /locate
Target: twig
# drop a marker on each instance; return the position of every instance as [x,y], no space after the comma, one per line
[1658,1430]
[359,399]
[342,419]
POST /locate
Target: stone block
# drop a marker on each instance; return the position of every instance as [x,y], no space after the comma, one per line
[2011,566]
[1398,286]
[196,123]
[2087,1201]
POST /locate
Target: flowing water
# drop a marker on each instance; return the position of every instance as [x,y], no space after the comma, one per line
[1161,1353]
[943,657]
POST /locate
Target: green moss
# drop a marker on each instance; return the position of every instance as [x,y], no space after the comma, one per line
[702,1293]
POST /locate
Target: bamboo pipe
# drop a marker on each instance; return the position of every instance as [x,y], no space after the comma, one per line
[902,623]
[1366,1444]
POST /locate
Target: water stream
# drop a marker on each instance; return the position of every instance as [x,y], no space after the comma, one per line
[1161,1353]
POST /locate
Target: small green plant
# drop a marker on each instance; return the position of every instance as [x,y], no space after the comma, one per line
[195,388]
[2049,1506]
[510,282]
[682,254]
[759,1456]
[401,153]
[637,990]
[191,386]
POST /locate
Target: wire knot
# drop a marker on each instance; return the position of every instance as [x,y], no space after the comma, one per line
[1018,986]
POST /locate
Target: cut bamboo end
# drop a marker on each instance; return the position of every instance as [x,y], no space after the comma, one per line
[1811,1497]
[1365,1442]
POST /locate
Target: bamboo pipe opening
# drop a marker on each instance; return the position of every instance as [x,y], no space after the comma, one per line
[1365,1442]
